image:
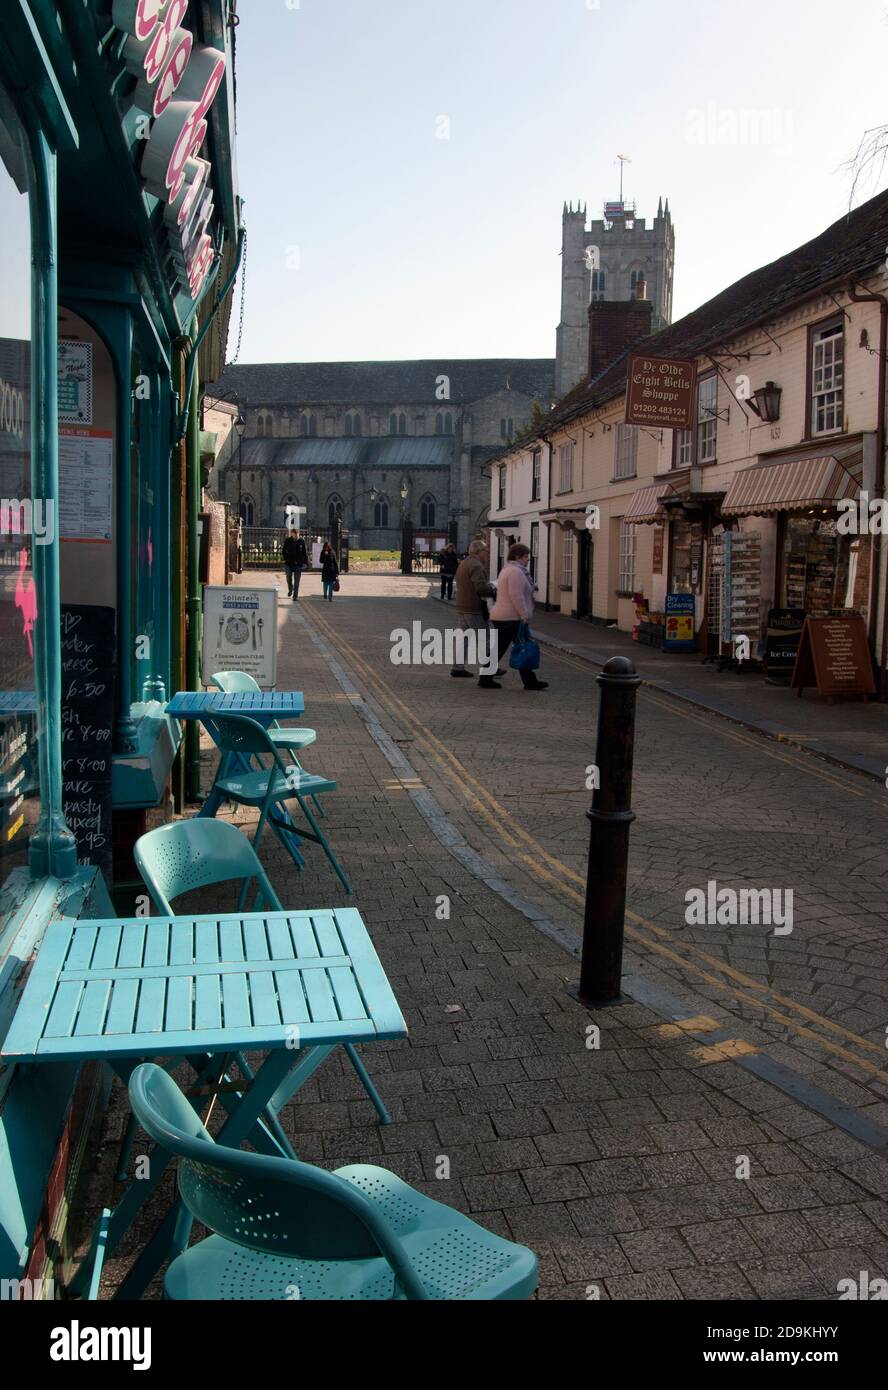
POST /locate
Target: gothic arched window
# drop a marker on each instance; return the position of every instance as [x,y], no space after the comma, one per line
[334,510]
[353,426]
[260,426]
[248,510]
[427,511]
[599,284]
[439,423]
[381,512]
[402,424]
[448,423]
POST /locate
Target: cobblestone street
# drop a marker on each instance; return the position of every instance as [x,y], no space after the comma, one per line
[728,1139]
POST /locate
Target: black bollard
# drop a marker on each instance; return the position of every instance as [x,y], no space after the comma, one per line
[611,817]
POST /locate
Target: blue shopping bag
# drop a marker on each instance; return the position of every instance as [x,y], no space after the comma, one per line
[525,651]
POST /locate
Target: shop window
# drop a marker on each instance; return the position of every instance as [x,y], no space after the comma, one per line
[567,559]
[625,451]
[628,542]
[381,513]
[686,541]
[566,467]
[501,488]
[427,511]
[707,420]
[536,482]
[827,378]
[23,519]
[824,571]
[682,448]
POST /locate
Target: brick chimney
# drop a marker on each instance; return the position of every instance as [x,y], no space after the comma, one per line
[616,324]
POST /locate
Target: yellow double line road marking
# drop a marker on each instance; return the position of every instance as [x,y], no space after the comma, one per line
[557,875]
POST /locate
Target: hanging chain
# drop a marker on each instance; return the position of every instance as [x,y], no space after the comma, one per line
[240,325]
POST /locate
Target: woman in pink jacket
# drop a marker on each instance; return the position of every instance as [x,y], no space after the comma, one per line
[514,606]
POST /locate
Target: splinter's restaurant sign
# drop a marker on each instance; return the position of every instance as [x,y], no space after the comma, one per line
[661,392]
[176,84]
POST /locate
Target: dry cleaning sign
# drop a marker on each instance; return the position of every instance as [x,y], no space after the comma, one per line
[240,633]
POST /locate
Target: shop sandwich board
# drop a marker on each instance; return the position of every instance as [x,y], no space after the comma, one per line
[834,656]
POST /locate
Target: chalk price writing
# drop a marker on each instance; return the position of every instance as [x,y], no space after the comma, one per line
[89,690]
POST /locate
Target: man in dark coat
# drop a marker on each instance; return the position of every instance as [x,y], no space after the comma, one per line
[295,561]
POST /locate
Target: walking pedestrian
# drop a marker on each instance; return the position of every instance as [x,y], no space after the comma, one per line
[295,561]
[329,570]
[513,607]
[473,586]
[449,566]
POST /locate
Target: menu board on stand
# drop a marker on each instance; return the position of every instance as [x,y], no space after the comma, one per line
[834,656]
[89,654]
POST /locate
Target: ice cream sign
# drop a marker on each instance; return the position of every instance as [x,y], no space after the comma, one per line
[176,83]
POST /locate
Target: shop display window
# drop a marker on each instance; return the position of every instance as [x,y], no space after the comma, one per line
[823,571]
[24,520]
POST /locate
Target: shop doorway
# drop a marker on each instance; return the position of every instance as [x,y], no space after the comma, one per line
[585,576]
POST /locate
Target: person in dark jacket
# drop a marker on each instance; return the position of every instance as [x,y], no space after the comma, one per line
[295,561]
[449,566]
[329,570]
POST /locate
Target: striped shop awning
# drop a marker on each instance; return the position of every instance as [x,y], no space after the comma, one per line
[645,509]
[793,485]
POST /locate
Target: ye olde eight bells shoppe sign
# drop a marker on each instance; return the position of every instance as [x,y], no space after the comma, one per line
[661,392]
[176,84]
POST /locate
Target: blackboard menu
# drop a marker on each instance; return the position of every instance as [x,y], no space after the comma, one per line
[88,685]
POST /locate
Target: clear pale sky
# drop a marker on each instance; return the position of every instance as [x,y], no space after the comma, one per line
[371,238]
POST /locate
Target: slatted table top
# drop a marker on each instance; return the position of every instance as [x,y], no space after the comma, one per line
[276,704]
[160,986]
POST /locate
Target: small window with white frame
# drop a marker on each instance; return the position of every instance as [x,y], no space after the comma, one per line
[567,558]
[501,488]
[628,539]
[682,448]
[707,420]
[566,467]
[625,451]
[827,378]
[536,483]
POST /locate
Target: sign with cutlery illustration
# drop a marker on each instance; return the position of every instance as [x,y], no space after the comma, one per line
[240,632]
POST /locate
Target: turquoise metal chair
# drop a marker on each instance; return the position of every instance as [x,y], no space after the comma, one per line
[290,741]
[189,854]
[286,1230]
[241,742]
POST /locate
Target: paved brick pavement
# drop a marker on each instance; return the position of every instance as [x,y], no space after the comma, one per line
[622,1165]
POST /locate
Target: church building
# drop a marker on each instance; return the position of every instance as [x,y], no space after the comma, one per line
[372,443]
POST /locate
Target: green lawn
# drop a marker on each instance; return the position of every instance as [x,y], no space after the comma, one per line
[374,555]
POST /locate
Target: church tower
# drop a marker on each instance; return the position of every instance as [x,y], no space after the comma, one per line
[605,260]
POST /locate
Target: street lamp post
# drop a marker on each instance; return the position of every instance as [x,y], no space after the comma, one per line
[406,533]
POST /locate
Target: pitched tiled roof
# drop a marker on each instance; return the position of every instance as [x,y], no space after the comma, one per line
[387,383]
[397,452]
[852,246]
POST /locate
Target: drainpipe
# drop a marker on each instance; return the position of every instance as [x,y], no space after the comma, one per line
[876,540]
[52,849]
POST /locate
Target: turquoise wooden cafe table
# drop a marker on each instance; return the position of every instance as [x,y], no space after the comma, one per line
[207,989]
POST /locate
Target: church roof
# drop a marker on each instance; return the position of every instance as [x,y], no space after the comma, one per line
[852,246]
[387,383]
[395,452]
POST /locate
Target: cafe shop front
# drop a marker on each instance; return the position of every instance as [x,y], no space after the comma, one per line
[121,224]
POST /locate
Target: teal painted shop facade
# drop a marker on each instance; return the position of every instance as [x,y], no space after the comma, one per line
[121,234]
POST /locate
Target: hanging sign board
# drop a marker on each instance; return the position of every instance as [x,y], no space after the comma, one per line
[834,656]
[240,632]
[681,624]
[75,382]
[661,392]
